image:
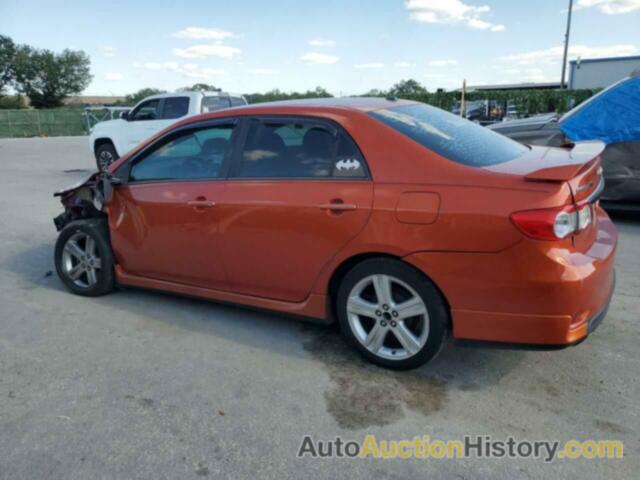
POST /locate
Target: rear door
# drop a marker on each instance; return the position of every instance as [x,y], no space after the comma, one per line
[299,191]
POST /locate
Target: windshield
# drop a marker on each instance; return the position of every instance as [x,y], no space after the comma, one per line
[451,136]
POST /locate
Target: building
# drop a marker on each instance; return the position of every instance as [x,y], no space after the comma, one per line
[87,100]
[600,72]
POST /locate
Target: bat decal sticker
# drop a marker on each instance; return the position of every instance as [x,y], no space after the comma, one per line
[347,164]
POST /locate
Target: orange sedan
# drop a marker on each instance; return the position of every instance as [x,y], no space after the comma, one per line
[404,223]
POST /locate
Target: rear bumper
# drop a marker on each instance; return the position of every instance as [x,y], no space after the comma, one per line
[532,293]
[595,321]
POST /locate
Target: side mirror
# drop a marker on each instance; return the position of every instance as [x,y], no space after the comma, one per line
[108,181]
[125,115]
[115,180]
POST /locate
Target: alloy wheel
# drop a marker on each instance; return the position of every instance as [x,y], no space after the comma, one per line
[81,261]
[388,317]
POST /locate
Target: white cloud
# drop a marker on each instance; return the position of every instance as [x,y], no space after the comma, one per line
[554,55]
[369,65]
[158,66]
[510,71]
[189,70]
[109,51]
[319,58]
[610,7]
[403,64]
[451,11]
[262,71]
[440,80]
[113,76]
[322,43]
[208,50]
[202,33]
[443,63]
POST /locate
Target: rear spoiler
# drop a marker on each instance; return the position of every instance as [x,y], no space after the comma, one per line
[581,156]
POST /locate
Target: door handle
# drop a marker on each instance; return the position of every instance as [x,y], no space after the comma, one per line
[201,203]
[338,206]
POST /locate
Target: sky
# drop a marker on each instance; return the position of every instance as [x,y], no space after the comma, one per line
[345,46]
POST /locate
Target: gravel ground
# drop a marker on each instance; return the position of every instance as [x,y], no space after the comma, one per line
[147,385]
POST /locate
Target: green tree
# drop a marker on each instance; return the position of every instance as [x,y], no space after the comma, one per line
[276,94]
[47,78]
[134,98]
[320,92]
[7,53]
[201,87]
[407,88]
[375,92]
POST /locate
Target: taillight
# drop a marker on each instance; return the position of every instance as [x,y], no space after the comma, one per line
[553,223]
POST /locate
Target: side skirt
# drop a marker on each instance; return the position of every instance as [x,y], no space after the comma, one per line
[313,309]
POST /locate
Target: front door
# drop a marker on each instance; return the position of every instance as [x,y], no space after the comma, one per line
[164,221]
[298,192]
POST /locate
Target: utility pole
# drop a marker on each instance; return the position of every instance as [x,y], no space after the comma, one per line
[566,46]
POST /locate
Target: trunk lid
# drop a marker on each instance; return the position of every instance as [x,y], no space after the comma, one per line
[578,165]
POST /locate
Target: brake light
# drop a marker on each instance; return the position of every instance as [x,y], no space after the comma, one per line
[553,223]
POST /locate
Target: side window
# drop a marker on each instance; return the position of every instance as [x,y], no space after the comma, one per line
[149,110]
[196,154]
[298,149]
[211,104]
[238,101]
[349,162]
[175,107]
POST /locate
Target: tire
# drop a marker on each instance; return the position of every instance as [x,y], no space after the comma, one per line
[379,329]
[105,155]
[74,261]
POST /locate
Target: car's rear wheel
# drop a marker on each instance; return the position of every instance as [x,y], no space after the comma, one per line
[83,258]
[392,314]
[105,155]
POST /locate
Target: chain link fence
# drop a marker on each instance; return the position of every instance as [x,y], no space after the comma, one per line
[34,123]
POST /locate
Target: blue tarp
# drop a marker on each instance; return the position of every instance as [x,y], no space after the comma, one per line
[613,116]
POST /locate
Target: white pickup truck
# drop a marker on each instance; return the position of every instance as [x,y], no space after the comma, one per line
[110,139]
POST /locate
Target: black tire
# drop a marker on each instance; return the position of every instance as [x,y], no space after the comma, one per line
[438,312]
[98,230]
[105,155]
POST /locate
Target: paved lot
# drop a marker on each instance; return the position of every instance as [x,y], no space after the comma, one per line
[146,385]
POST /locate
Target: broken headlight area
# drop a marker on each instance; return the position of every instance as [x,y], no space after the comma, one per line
[85,199]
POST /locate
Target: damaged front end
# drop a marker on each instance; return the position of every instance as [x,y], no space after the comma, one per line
[85,199]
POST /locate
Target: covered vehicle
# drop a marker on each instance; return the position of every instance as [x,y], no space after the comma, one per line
[613,117]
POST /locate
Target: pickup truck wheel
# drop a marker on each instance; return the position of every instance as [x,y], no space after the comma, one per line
[105,156]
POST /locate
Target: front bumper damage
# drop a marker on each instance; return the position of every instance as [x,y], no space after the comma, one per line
[84,199]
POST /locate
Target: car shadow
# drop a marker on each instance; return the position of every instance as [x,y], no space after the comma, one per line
[358,394]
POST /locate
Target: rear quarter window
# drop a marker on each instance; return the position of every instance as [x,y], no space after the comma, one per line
[448,135]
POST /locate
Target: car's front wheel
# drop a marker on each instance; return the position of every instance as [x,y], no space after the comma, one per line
[392,314]
[83,257]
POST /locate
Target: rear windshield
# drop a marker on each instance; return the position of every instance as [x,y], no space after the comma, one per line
[451,136]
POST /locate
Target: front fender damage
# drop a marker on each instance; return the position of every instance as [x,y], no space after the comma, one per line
[85,199]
